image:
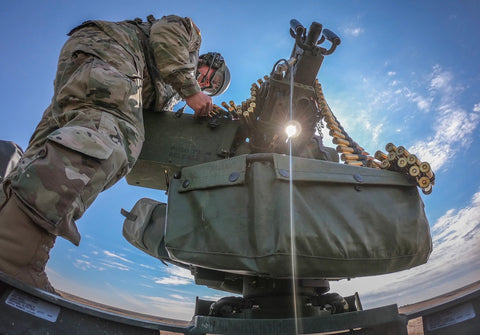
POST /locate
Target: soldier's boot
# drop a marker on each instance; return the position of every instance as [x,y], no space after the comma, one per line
[24,247]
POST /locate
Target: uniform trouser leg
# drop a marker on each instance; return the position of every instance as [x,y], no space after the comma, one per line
[88,138]
[80,148]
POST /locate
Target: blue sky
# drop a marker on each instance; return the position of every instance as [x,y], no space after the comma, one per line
[406,72]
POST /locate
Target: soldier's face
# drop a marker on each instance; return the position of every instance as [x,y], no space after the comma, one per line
[204,76]
[208,77]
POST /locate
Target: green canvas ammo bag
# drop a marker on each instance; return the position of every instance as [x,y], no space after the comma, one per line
[233,215]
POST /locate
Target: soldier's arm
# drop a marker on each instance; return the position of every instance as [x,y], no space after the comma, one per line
[172,40]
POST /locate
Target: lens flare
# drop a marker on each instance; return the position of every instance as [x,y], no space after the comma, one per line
[292,129]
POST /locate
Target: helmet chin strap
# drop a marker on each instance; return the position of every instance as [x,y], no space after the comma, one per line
[214,58]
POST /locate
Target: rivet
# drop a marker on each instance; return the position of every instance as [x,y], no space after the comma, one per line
[186,183]
[284,173]
[234,176]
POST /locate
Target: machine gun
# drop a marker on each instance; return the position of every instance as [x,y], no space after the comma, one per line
[287,98]
[232,184]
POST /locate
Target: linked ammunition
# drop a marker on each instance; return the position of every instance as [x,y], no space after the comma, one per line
[353,157]
[373,164]
[412,159]
[385,164]
[390,147]
[402,152]
[340,141]
[334,127]
[402,163]
[225,105]
[331,120]
[427,171]
[414,171]
[355,163]
[344,149]
[423,182]
[335,133]
[380,155]
[392,156]
[425,167]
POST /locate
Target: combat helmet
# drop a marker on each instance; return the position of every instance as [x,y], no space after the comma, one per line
[216,78]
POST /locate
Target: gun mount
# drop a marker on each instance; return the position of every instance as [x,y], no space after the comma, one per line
[228,182]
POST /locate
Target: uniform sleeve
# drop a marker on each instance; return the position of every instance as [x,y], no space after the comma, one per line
[173,39]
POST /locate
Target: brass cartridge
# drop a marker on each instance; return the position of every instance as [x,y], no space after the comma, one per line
[385,164]
[392,156]
[423,182]
[380,155]
[402,152]
[373,164]
[427,171]
[333,127]
[344,149]
[331,120]
[225,105]
[355,163]
[337,134]
[390,147]
[414,171]
[340,141]
[402,163]
[352,157]
[413,160]
[425,168]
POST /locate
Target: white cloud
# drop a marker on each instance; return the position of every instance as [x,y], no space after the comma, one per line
[113,255]
[391,73]
[441,80]
[177,297]
[353,31]
[115,265]
[456,233]
[82,265]
[147,266]
[177,276]
[453,125]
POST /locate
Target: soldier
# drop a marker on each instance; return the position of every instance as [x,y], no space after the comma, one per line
[92,133]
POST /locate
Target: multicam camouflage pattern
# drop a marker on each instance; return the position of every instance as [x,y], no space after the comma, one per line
[92,133]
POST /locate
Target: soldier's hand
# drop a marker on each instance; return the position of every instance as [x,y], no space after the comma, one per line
[201,103]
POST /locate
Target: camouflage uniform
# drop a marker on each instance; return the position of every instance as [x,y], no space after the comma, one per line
[92,133]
